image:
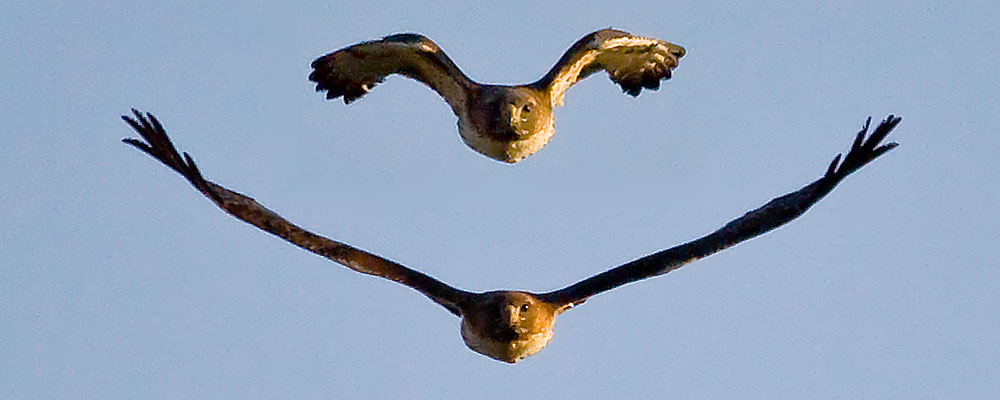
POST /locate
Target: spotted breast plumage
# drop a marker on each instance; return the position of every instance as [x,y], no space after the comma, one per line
[509,325]
[503,122]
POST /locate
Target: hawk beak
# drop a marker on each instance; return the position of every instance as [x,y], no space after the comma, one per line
[512,316]
[514,113]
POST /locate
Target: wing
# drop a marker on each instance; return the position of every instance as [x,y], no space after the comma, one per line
[775,213]
[158,145]
[632,62]
[353,71]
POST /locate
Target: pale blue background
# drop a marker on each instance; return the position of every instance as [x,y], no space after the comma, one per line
[117,280]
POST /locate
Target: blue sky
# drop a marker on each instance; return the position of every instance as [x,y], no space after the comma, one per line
[117,280]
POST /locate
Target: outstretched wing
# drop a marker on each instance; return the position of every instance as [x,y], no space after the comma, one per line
[353,71]
[632,62]
[775,213]
[158,145]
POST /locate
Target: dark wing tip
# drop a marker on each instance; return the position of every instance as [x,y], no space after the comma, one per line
[882,130]
[330,75]
[316,64]
[884,149]
[139,145]
[631,89]
[865,148]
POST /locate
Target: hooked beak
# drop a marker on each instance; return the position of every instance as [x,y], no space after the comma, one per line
[515,115]
[511,314]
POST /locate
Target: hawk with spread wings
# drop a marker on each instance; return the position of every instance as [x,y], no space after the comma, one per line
[506,123]
[509,325]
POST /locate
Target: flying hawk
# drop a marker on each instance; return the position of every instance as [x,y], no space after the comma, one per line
[509,325]
[506,123]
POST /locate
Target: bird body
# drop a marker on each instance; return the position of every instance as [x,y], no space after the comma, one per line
[509,325]
[503,122]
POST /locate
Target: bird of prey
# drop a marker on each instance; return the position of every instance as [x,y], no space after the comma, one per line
[506,123]
[508,325]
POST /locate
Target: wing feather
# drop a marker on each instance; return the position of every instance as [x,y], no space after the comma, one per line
[353,71]
[158,146]
[774,214]
[632,62]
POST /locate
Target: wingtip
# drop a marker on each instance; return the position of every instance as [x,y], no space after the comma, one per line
[878,152]
[892,121]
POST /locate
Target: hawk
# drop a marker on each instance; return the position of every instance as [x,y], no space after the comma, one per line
[503,122]
[509,325]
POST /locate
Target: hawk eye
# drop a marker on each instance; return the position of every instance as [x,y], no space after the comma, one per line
[524,307]
[526,108]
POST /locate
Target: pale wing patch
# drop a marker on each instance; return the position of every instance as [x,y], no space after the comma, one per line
[629,41]
[562,82]
[632,53]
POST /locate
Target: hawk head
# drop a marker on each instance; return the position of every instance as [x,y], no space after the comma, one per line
[507,325]
[508,123]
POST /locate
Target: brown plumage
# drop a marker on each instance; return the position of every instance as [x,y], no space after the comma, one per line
[503,122]
[509,325]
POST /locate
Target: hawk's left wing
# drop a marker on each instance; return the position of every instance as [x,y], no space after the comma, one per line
[775,213]
[632,62]
[158,145]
